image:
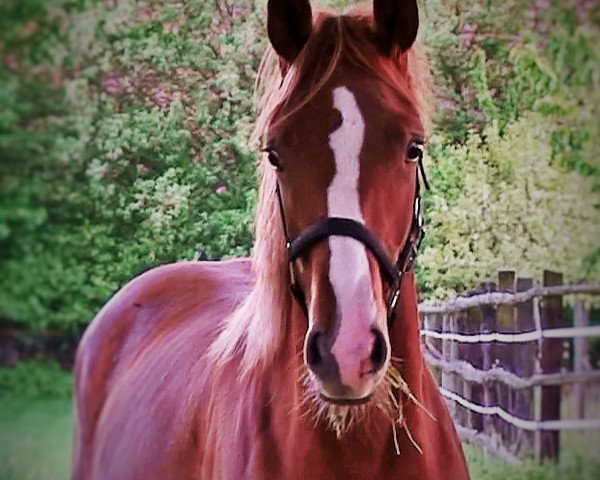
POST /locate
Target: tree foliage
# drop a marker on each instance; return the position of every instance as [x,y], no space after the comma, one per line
[123,142]
[514,158]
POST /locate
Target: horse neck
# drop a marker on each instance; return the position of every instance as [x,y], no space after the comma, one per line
[405,337]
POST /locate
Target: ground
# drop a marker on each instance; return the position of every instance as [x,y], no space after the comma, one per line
[35,438]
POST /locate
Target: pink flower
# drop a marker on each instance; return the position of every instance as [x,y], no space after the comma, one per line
[162,98]
[12,61]
[171,27]
[238,11]
[143,168]
[584,8]
[112,83]
[467,35]
[145,14]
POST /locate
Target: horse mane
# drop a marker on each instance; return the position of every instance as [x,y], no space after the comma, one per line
[255,330]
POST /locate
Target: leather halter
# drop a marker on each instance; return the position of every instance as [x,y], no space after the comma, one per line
[392,272]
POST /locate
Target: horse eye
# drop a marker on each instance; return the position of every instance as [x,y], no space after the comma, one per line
[273,158]
[415,152]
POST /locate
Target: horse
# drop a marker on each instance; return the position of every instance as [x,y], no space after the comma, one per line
[220,370]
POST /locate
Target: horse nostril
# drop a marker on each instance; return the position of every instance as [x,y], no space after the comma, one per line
[313,355]
[379,352]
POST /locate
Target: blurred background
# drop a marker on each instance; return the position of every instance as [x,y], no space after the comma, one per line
[124,131]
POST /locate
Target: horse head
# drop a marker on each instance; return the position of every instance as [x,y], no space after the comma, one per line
[346,141]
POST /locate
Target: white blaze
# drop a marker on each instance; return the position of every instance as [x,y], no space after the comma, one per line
[349,271]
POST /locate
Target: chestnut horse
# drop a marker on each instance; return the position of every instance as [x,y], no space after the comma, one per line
[201,370]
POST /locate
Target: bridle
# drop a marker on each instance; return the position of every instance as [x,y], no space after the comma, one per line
[391,271]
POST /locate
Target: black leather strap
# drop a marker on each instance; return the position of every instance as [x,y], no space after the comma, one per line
[344,227]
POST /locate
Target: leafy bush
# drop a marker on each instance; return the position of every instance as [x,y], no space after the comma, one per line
[123,138]
[514,159]
[33,379]
[506,207]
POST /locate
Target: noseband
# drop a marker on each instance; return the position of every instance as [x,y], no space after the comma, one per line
[391,271]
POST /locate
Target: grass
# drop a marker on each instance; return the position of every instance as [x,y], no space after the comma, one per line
[573,467]
[35,422]
[579,449]
[35,438]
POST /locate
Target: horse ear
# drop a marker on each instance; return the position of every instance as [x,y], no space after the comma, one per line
[289,24]
[396,23]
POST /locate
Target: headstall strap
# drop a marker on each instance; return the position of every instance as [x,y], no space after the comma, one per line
[346,227]
[410,251]
[297,292]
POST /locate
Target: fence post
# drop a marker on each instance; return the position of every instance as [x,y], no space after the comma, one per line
[473,354]
[488,351]
[525,356]
[551,316]
[431,345]
[462,386]
[449,353]
[506,355]
[581,362]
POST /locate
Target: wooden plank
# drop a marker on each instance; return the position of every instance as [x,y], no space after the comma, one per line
[581,353]
[471,374]
[472,354]
[463,415]
[563,333]
[551,316]
[505,354]
[523,423]
[488,350]
[524,367]
[498,298]
[431,345]
[537,390]
[448,354]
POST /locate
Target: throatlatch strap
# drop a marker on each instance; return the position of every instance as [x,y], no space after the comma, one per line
[344,227]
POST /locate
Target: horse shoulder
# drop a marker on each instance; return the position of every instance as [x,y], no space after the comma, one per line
[171,298]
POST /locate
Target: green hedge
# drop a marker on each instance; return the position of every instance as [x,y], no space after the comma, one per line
[123,143]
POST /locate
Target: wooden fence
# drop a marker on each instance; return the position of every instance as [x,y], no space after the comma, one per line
[503,354]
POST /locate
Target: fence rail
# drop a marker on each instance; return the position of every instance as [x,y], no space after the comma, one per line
[524,337]
[472,374]
[503,355]
[524,424]
[505,298]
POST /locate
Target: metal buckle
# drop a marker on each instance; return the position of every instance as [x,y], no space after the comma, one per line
[394,300]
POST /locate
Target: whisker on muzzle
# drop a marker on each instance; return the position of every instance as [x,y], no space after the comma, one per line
[387,398]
